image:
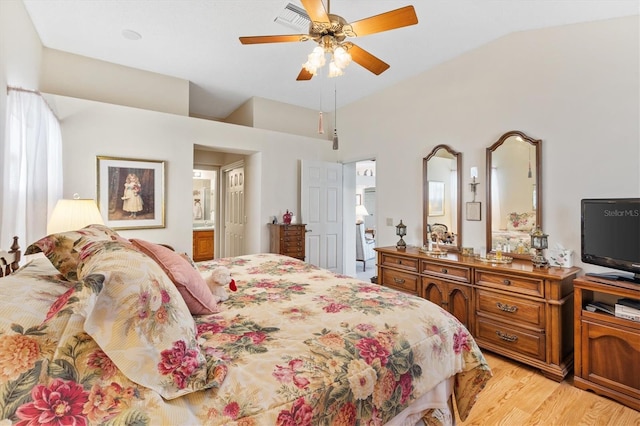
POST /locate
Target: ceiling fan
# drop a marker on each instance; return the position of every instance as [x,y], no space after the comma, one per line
[330,32]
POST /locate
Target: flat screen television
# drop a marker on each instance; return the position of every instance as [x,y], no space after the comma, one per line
[610,236]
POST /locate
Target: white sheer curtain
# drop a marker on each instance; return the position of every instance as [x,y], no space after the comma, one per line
[31,168]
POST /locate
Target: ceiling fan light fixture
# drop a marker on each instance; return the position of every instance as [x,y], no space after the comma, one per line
[315,60]
[341,57]
[334,70]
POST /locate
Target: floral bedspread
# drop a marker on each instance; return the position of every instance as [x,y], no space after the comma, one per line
[300,346]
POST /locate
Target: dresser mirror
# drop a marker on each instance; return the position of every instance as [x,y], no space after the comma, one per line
[442,221]
[514,193]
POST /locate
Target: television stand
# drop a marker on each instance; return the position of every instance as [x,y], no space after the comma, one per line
[606,347]
[616,276]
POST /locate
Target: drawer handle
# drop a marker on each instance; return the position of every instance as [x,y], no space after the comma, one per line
[506,282]
[506,308]
[507,337]
[444,271]
[399,280]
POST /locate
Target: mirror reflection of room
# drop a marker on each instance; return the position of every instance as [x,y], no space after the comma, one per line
[514,197]
[442,204]
[204,184]
[204,214]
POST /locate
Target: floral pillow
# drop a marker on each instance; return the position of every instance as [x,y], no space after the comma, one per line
[521,221]
[63,249]
[139,319]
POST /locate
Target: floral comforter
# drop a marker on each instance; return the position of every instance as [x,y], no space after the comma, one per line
[295,345]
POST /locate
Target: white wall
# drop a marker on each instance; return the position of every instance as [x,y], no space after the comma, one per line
[91,129]
[575,87]
[81,77]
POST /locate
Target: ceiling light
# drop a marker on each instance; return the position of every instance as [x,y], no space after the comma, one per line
[131,35]
[340,58]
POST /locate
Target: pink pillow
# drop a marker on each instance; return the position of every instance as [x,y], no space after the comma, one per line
[187,280]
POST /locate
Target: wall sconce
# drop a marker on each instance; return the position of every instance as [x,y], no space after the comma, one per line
[474,184]
[539,242]
[401,231]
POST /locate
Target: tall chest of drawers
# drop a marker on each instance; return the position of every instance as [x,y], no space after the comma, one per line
[288,239]
[516,310]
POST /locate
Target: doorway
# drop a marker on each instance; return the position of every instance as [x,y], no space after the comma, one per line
[366,219]
[226,208]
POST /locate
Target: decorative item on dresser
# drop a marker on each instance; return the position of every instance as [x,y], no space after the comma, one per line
[607,348]
[539,242]
[513,309]
[288,239]
[401,231]
[10,260]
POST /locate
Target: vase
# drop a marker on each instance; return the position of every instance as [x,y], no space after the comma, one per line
[286,218]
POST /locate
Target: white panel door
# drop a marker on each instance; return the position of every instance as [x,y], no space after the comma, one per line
[321,210]
[234,213]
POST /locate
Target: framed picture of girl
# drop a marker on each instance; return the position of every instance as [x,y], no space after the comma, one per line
[131,192]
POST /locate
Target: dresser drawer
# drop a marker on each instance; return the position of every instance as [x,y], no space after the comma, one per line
[400,262]
[297,253]
[458,273]
[400,280]
[292,231]
[511,338]
[511,283]
[512,309]
[292,244]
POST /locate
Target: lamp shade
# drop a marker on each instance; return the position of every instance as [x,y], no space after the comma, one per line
[361,212]
[69,215]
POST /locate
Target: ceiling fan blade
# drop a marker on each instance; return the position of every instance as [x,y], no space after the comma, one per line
[366,59]
[304,75]
[316,11]
[393,19]
[274,38]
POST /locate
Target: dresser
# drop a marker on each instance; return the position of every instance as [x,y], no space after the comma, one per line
[203,245]
[514,309]
[607,354]
[288,240]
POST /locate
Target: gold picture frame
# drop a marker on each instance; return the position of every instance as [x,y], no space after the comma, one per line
[131,192]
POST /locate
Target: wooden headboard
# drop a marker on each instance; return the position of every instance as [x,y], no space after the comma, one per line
[10,260]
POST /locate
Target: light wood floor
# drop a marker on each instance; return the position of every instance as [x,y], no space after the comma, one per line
[520,395]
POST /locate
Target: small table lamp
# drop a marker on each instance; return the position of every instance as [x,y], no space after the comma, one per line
[70,215]
[361,212]
[539,242]
[401,231]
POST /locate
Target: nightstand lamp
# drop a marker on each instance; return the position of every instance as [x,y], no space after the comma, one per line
[401,231]
[539,242]
[73,214]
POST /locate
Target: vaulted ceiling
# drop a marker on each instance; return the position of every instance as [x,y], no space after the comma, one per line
[197,40]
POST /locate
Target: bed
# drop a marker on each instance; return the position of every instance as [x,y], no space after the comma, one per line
[95,329]
[516,235]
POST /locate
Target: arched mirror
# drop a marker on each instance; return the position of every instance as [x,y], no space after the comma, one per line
[514,193]
[442,222]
